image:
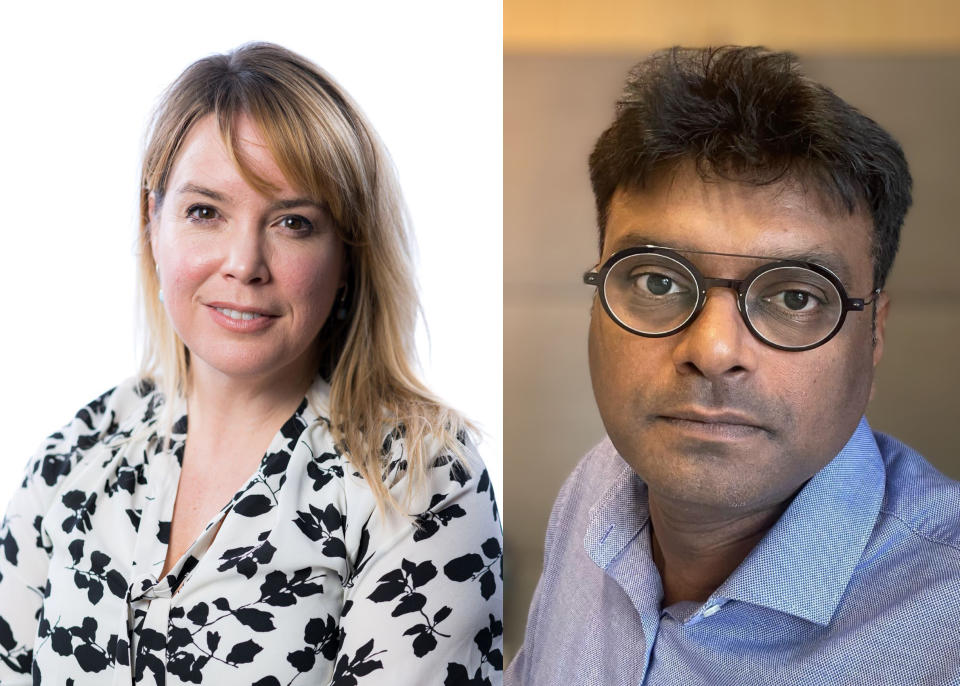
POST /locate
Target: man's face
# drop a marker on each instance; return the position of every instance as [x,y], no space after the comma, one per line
[711,416]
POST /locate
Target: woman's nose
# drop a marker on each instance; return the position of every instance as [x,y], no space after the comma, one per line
[245,256]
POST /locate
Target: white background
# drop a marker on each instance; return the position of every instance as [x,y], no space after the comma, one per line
[77,84]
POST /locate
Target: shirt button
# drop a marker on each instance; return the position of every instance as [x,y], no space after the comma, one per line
[711,610]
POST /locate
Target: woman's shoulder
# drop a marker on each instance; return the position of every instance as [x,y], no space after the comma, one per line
[113,415]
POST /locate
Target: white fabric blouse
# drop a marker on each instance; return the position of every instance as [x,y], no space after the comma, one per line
[304,583]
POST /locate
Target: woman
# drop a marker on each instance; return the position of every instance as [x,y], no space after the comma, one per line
[276,498]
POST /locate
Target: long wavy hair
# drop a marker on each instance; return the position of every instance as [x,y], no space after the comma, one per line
[326,148]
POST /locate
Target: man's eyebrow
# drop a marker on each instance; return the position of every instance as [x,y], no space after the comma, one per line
[283,204]
[825,258]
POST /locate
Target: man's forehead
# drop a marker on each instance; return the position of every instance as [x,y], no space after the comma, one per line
[779,221]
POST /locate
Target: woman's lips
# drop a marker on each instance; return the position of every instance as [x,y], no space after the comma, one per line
[239,320]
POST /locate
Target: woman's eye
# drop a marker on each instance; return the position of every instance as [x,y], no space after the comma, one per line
[296,223]
[201,213]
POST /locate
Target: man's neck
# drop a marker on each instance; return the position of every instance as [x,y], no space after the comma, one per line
[695,553]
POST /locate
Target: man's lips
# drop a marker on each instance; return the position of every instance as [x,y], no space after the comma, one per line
[720,422]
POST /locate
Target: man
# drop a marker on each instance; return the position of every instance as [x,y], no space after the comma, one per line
[742,524]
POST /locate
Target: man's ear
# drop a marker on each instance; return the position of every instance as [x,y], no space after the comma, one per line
[880,325]
[879,330]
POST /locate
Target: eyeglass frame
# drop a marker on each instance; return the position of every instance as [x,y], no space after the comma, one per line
[597,278]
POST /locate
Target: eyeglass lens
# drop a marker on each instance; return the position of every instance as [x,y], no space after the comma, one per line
[790,306]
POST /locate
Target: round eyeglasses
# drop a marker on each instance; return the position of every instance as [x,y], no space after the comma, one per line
[654,291]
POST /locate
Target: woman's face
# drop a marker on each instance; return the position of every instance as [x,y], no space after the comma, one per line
[248,279]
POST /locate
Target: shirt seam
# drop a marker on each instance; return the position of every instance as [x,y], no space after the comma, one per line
[919,533]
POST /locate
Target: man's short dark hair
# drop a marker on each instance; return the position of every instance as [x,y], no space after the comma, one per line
[748,114]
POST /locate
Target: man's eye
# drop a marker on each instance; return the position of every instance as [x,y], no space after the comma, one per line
[201,213]
[296,223]
[795,301]
[654,283]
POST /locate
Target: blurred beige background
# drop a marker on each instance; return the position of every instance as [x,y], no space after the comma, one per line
[564,63]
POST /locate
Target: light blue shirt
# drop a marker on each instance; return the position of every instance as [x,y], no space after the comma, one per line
[858,582]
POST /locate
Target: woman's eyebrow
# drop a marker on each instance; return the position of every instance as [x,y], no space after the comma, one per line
[281,204]
[201,190]
[297,202]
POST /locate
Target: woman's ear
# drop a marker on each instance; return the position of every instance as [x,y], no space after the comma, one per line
[152,222]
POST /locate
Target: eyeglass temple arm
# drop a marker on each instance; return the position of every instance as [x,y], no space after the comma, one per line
[591,278]
[857,304]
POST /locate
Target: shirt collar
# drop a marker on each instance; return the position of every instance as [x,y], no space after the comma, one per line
[803,564]
[313,407]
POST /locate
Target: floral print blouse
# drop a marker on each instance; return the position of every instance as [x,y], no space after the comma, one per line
[305,582]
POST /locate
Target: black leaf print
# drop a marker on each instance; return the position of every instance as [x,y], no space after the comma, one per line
[128,478]
[267,681]
[428,523]
[320,524]
[117,583]
[472,566]
[390,585]
[457,675]
[54,466]
[94,579]
[198,614]
[61,641]
[279,591]
[243,652]
[119,649]
[302,660]
[294,426]
[94,591]
[424,642]
[275,463]
[76,550]
[247,558]
[7,641]
[463,567]
[83,507]
[91,658]
[484,641]
[346,671]
[258,620]
[253,505]
[323,475]
[222,604]
[187,667]
[484,484]
[38,527]
[213,641]
[402,582]
[98,562]
[362,558]
[10,548]
[177,638]
[458,472]
[163,532]
[134,516]
[414,602]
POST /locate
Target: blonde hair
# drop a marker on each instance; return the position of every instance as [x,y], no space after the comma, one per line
[324,146]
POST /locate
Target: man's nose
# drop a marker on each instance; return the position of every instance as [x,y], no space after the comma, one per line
[717,343]
[245,257]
